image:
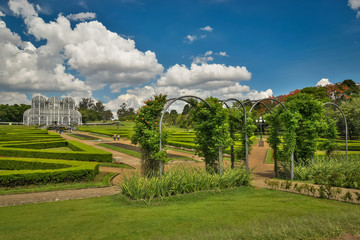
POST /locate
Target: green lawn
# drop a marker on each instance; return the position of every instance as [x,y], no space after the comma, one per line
[242,213]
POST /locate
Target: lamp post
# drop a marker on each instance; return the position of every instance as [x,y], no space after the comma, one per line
[261,122]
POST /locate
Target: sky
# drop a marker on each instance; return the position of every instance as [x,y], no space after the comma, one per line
[128,50]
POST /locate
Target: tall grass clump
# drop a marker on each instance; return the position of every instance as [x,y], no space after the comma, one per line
[182,180]
[335,171]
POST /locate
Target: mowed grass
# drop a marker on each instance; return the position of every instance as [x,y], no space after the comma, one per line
[242,213]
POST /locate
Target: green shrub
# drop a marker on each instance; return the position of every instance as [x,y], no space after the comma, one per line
[334,171]
[180,181]
[38,171]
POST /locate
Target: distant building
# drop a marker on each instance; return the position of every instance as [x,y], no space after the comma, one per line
[52,111]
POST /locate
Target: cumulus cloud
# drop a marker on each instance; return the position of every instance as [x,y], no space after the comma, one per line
[207,29]
[190,38]
[135,97]
[100,56]
[82,16]
[13,98]
[355,5]
[223,54]
[205,76]
[203,58]
[2,14]
[323,82]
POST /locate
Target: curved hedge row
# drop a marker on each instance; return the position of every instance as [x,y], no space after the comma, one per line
[34,171]
[81,152]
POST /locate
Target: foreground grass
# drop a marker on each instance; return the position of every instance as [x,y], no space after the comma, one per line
[101,180]
[242,213]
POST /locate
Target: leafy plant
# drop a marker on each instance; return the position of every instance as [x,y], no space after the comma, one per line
[147,135]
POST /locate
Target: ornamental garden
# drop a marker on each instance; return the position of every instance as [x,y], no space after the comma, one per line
[312,151]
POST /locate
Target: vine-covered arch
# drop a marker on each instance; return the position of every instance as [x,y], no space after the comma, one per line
[246,136]
[292,153]
[346,126]
[169,102]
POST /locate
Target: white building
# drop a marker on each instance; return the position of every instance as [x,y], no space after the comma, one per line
[52,111]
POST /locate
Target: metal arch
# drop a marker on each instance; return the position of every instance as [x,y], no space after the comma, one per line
[250,101]
[168,103]
[292,153]
[346,126]
[246,136]
[264,99]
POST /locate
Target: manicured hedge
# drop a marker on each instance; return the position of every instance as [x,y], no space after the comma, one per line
[44,171]
[38,145]
[82,153]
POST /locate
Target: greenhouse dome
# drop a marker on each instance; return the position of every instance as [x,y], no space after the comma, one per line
[52,111]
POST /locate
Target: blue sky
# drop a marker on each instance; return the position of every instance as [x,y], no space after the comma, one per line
[126,50]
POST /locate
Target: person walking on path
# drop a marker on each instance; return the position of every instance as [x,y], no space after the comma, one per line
[118,137]
[114,137]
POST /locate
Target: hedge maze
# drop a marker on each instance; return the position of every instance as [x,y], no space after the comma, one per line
[32,156]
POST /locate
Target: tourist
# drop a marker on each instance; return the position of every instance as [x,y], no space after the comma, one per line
[114,137]
[118,136]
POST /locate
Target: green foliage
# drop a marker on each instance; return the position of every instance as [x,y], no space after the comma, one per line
[330,133]
[34,143]
[180,181]
[25,171]
[248,128]
[309,112]
[146,134]
[333,171]
[211,130]
[12,113]
[351,110]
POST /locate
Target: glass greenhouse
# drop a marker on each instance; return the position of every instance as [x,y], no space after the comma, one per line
[52,111]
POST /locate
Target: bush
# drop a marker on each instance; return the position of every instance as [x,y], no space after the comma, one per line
[334,171]
[180,181]
[82,152]
[25,171]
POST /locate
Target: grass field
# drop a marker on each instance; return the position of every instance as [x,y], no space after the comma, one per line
[242,213]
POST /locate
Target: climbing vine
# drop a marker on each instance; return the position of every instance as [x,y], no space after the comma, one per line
[212,130]
[146,134]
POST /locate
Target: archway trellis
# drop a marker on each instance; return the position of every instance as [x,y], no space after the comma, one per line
[346,126]
[292,153]
[166,107]
[242,104]
[246,136]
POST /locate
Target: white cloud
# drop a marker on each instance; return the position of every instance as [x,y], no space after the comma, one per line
[207,29]
[223,54]
[358,14]
[323,82]
[13,98]
[135,97]
[100,56]
[82,16]
[354,4]
[203,58]
[2,14]
[190,38]
[205,76]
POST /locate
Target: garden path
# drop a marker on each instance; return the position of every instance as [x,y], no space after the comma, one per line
[256,162]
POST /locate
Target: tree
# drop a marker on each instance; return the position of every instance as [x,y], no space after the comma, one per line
[351,110]
[124,113]
[146,134]
[107,115]
[12,113]
[86,103]
[308,112]
[211,129]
